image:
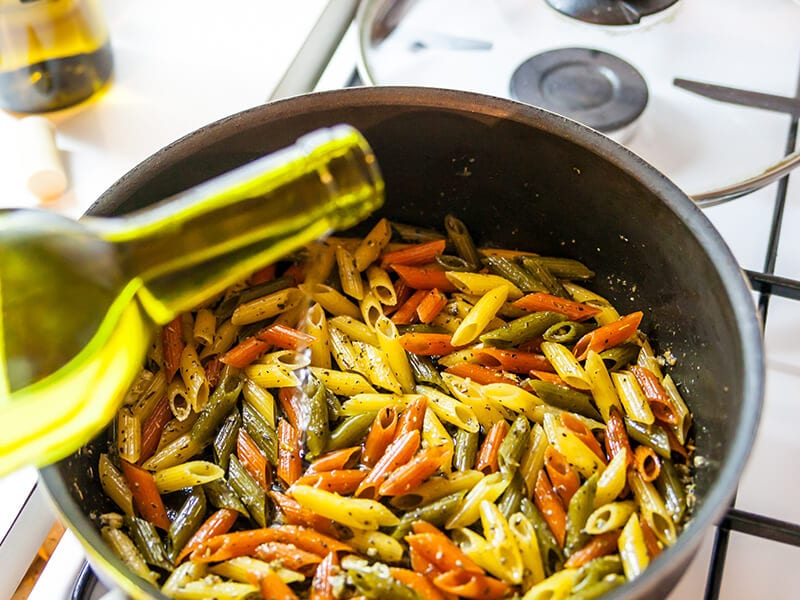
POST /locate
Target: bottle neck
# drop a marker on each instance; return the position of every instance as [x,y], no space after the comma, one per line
[195,244]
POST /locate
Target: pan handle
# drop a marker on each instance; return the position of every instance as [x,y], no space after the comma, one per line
[742,188]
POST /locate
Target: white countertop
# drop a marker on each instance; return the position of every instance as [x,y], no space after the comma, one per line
[182,64]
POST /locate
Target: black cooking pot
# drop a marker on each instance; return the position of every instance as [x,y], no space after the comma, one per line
[522,178]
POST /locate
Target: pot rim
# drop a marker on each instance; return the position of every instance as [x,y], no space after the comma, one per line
[731,276]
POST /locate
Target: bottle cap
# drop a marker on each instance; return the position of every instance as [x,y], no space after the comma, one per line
[41,165]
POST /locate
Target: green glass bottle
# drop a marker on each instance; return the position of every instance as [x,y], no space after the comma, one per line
[80,300]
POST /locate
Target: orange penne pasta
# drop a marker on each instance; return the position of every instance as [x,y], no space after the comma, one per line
[539,301]
[410,475]
[417,582]
[608,336]
[274,588]
[407,312]
[563,477]
[583,433]
[263,275]
[253,460]
[617,436]
[656,395]
[291,400]
[244,543]
[412,418]
[650,539]
[548,377]
[438,550]
[486,460]
[425,278]
[398,453]
[380,435]
[289,555]
[431,305]
[244,352]
[427,344]
[418,254]
[514,361]
[146,499]
[213,368]
[647,463]
[217,524]
[339,481]
[172,342]
[549,504]
[600,545]
[296,514]
[403,292]
[297,272]
[290,462]
[478,374]
[346,458]
[152,427]
[285,337]
[465,584]
[322,584]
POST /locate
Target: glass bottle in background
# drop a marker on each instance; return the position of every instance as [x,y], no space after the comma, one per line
[53,53]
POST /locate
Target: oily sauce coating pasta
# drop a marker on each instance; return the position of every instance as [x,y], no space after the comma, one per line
[385,418]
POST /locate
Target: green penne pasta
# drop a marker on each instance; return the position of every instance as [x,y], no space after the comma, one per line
[144,535]
[226,439]
[581,506]
[124,547]
[188,520]
[522,329]
[248,490]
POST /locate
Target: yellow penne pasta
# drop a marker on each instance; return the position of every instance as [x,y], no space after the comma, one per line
[609,517]
[321,258]
[435,434]
[330,299]
[146,401]
[469,392]
[174,429]
[188,474]
[176,452]
[481,551]
[502,541]
[489,488]
[179,402]
[260,399]
[183,574]
[608,314]
[370,248]
[349,276]
[479,316]
[138,388]
[389,340]
[632,397]
[115,485]
[446,321]
[291,360]
[381,285]
[632,549]
[376,545]
[556,587]
[205,325]
[354,329]
[647,358]
[271,375]
[128,434]
[612,480]
[368,402]
[525,535]
[316,325]
[577,453]
[511,397]
[266,306]
[202,589]
[243,568]
[194,378]
[601,386]
[342,349]
[373,363]
[679,408]
[651,506]
[359,513]
[450,410]
[438,487]
[342,382]
[464,355]
[532,459]
[566,365]
[480,283]
[292,317]
[224,337]
[371,308]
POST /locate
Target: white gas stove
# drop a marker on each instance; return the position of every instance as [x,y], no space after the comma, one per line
[699,143]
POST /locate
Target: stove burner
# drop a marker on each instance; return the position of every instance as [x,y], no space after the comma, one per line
[592,87]
[610,12]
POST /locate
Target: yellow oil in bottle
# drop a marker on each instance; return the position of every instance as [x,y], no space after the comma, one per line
[53,53]
[79,301]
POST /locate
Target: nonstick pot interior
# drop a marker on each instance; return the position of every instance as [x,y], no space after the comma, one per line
[522,178]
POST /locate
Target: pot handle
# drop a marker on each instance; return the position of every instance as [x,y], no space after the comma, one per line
[742,188]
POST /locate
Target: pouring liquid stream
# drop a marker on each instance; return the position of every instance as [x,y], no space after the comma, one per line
[80,301]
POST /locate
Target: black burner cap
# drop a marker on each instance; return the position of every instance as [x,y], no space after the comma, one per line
[610,12]
[590,86]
